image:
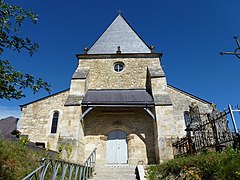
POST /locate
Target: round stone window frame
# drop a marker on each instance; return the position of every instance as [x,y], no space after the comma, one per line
[118,66]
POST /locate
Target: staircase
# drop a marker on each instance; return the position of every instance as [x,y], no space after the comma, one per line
[114,173]
[57,169]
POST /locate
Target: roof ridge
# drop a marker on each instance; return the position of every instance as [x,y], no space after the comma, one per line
[135,31]
[103,32]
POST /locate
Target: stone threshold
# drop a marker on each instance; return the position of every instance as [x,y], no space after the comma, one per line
[118,165]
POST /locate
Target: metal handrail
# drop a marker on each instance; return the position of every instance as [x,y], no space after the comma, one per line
[57,168]
[90,163]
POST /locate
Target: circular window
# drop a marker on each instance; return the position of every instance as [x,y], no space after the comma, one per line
[118,66]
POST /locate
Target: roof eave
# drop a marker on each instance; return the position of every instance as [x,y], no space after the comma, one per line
[122,55]
[116,105]
[21,106]
[189,94]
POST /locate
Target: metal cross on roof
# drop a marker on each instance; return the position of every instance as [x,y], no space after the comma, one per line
[236,52]
[119,11]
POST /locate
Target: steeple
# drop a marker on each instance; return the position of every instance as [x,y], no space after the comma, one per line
[119,35]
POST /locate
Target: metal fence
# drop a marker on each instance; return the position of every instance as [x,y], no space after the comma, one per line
[206,132]
[56,169]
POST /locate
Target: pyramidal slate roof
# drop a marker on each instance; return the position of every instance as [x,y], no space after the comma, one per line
[119,33]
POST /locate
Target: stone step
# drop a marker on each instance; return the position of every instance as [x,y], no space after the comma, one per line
[113,177]
[114,173]
[107,178]
[115,166]
[115,170]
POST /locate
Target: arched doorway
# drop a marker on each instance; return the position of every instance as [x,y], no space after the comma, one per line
[117,150]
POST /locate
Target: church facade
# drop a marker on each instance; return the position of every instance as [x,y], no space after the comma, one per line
[118,102]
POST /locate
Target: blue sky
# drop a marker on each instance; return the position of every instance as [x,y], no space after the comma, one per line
[190,34]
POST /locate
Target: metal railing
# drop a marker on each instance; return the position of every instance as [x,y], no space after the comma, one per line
[56,169]
[212,133]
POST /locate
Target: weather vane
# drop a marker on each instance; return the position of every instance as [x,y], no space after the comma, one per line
[236,52]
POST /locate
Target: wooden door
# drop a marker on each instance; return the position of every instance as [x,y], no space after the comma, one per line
[117,147]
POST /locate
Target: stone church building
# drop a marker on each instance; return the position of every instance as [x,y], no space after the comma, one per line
[119,102]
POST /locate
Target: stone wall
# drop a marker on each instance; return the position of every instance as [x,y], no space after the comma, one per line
[181,102]
[148,141]
[72,133]
[102,75]
[36,122]
[36,119]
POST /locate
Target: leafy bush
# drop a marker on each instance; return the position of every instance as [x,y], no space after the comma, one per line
[16,160]
[212,165]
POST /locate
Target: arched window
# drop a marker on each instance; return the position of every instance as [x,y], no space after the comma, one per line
[54,122]
[187,118]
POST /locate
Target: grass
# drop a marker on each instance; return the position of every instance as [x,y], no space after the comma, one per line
[16,160]
[210,166]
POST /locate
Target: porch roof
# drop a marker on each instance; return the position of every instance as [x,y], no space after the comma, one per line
[119,97]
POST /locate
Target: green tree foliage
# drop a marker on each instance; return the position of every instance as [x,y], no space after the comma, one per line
[16,161]
[12,82]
